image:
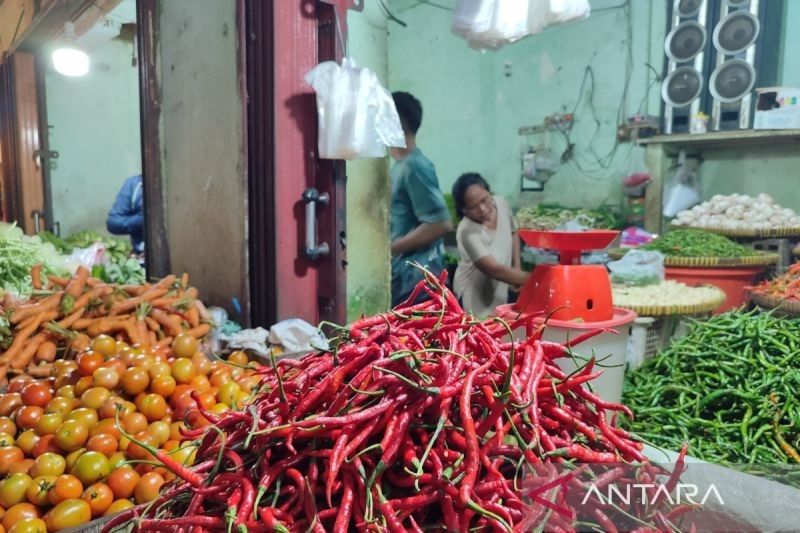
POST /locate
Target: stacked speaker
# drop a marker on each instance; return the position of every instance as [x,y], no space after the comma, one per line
[718,51]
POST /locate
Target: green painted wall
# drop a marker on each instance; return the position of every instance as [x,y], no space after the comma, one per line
[368,192]
[475,102]
[94,125]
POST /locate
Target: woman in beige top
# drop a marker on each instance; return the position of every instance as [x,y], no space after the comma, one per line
[488,244]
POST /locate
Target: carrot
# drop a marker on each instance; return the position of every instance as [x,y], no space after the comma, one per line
[57,280]
[47,351]
[81,343]
[192,293]
[200,331]
[24,311]
[48,316]
[106,325]
[193,316]
[142,332]
[152,337]
[70,320]
[185,280]
[166,341]
[83,323]
[20,340]
[165,302]
[152,325]
[39,371]
[132,303]
[172,323]
[76,284]
[133,333]
[36,276]
[88,296]
[25,356]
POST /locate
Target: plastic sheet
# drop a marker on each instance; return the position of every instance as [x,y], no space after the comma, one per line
[356,114]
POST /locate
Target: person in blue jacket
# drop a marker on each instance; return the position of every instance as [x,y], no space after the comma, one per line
[127,214]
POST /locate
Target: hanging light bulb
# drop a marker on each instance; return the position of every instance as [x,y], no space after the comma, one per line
[68,58]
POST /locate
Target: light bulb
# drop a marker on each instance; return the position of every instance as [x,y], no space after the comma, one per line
[68,59]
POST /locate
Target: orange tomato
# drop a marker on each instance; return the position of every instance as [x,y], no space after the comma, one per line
[163,385]
[94,397]
[135,451]
[83,384]
[71,435]
[201,363]
[118,506]
[238,357]
[103,443]
[19,512]
[104,345]
[135,380]
[107,426]
[60,405]
[28,416]
[148,487]
[22,467]
[105,377]
[27,441]
[153,406]
[9,456]
[123,481]
[134,423]
[99,497]
[200,383]
[7,426]
[175,430]
[46,444]
[184,345]
[37,393]
[66,487]
[9,403]
[116,364]
[88,362]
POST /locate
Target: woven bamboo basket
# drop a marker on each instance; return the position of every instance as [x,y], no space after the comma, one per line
[754,233]
[768,301]
[672,310]
[762,259]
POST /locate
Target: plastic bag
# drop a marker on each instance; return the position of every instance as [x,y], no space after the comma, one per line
[356,114]
[492,24]
[297,335]
[89,257]
[684,191]
[564,11]
[638,268]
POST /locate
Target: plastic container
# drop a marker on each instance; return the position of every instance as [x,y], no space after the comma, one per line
[611,348]
[734,281]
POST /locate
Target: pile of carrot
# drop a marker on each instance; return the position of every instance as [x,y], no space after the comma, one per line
[63,314]
[422,418]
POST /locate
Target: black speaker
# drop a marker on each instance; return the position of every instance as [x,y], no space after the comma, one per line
[718,51]
[745,54]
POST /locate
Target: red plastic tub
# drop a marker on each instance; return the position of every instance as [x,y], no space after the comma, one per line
[734,281]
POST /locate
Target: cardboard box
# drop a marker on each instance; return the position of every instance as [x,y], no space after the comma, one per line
[777,108]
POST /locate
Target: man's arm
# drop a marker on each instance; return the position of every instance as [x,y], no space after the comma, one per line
[508,274]
[421,236]
[122,218]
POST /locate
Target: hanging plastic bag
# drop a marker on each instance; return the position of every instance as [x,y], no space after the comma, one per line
[638,268]
[684,191]
[356,114]
[564,11]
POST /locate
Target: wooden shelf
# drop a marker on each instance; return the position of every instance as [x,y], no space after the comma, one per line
[725,139]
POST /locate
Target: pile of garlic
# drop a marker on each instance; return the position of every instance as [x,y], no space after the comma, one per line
[667,293]
[738,211]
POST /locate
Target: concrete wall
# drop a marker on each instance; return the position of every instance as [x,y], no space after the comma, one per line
[368,186]
[204,161]
[94,125]
[475,102]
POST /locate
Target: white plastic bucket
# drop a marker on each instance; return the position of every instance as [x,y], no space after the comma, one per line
[610,350]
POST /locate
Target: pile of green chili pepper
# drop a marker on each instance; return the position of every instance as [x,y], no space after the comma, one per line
[697,243]
[730,388]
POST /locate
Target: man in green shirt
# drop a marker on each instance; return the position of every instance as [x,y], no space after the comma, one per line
[419,215]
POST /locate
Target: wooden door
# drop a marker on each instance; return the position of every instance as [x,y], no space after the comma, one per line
[23,161]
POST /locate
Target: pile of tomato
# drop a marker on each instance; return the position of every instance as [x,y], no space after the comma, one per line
[64,460]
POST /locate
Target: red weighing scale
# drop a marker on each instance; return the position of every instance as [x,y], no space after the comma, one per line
[569,290]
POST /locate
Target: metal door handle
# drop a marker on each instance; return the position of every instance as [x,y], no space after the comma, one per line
[37,220]
[57,228]
[312,198]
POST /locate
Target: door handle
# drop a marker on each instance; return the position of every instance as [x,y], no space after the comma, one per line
[312,199]
[37,220]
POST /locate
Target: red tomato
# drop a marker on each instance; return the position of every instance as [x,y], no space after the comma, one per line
[37,393]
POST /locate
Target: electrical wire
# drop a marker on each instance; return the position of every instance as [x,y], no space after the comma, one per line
[390,15]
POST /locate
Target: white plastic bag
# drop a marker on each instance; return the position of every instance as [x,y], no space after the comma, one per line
[564,11]
[356,114]
[89,257]
[638,268]
[684,191]
[297,335]
[492,24]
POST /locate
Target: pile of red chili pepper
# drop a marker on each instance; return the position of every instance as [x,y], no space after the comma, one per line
[785,286]
[420,418]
